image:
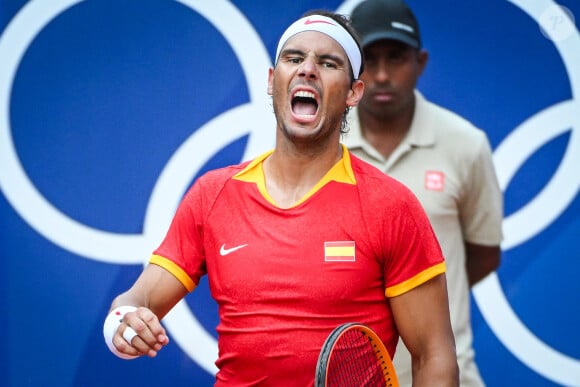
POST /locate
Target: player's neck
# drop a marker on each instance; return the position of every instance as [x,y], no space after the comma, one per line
[291,175]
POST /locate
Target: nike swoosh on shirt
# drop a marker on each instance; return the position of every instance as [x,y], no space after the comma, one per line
[224,251]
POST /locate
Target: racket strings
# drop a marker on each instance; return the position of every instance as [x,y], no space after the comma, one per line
[357,361]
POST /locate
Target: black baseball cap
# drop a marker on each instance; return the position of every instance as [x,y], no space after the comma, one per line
[385,19]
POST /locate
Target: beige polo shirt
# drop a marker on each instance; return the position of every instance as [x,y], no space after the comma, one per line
[447,163]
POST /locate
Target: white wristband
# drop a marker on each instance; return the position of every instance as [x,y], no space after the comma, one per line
[112,322]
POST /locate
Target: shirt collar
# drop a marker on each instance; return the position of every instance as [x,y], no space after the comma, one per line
[341,172]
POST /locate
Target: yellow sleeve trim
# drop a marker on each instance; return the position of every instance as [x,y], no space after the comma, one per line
[177,271]
[415,281]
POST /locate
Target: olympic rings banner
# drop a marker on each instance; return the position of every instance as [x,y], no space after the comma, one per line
[109,110]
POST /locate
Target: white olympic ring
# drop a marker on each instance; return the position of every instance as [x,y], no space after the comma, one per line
[132,248]
[547,206]
[171,185]
[544,208]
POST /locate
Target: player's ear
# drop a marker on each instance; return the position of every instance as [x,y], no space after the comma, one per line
[356,92]
[270,79]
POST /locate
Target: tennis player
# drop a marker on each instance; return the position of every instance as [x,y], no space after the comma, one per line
[299,240]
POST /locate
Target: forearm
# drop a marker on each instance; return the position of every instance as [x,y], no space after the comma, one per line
[440,370]
[422,317]
[129,298]
[156,289]
[133,326]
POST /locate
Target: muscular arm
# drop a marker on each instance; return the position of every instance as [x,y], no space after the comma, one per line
[480,261]
[154,293]
[155,289]
[422,317]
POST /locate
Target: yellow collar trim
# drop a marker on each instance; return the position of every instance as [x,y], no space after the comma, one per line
[341,172]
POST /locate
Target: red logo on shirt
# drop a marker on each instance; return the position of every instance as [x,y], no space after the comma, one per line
[434,180]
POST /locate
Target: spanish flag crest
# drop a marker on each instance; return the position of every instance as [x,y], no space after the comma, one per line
[339,251]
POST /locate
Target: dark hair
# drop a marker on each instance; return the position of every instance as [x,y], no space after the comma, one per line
[344,21]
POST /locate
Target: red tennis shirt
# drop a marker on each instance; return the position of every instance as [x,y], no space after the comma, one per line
[284,278]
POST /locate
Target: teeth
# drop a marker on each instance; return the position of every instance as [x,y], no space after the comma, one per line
[304,94]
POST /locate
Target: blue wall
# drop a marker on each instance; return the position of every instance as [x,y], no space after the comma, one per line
[109,110]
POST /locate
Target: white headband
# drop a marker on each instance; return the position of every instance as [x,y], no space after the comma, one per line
[329,27]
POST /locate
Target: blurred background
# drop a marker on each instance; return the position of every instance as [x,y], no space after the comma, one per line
[109,110]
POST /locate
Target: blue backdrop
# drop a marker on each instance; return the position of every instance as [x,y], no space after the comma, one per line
[110,109]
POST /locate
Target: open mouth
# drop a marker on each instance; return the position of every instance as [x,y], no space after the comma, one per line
[304,103]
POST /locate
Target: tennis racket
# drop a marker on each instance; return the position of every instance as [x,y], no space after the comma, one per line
[353,355]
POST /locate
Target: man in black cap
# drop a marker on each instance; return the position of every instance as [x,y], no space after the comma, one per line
[444,159]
